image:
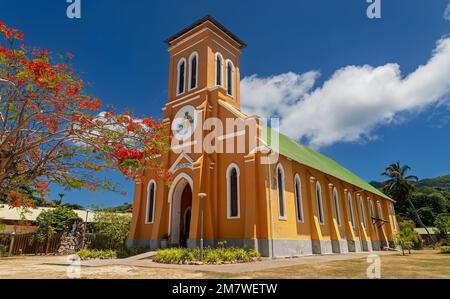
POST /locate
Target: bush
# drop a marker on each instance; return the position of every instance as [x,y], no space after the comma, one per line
[86,254]
[445,249]
[54,221]
[407,236]
[442,224]
[211,255]
[3,250]
[112,230]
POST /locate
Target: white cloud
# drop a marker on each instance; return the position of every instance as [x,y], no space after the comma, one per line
[447,13]
[351,104]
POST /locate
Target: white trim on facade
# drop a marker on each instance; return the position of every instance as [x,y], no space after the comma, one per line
[218,55]
[148,202]
[186,101]
[363,214]
[191,57]
[298,198]
[178,92]
[284,216]
[319,202]
[229,62]
[336,206]
[173,188]
[350,209]
[228,173]
[178,160]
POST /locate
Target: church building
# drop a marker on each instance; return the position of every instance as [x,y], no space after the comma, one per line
[238,180]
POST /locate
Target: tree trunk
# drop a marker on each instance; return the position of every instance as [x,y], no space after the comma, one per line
[419,219]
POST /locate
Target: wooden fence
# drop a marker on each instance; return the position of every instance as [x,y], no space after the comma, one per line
[28,244]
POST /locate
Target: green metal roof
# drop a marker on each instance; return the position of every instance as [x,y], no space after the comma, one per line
[311,158]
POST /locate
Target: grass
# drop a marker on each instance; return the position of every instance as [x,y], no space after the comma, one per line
[420,264]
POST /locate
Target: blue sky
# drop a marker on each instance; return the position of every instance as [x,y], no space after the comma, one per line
[118,47]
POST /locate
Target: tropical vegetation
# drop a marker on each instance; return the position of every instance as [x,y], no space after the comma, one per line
[53,131]
[422,201]
[54,221]
[218,255]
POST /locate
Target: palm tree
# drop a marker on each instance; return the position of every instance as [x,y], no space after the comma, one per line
[399,186]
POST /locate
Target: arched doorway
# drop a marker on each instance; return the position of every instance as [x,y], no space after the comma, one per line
[185,221]
[180,197]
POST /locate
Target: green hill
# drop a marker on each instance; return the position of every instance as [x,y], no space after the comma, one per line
[441,182]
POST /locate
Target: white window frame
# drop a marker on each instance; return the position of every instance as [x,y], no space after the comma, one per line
[194,54]
[350,209]
[148,203]
[218,54]
[232,77]
[298,198]
[380,210]
[363,214]
[283,182]
[230,167]
[319,203]
[336,206]
[178,77]
[372,208]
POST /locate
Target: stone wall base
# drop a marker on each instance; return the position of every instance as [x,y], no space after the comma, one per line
[354,245]
[339,246]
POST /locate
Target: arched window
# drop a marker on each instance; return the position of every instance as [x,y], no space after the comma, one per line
[193,70]
[230,78]
[350,209]
[233,196]
[319,203]
[372,210]
[336,206]
[363,214]
[380,211]
[151,194]
[298,198]
[181,76]
[281,197]
[219,69]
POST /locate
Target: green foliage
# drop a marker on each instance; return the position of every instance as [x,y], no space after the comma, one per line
[124,208]
[54,221]
[430,197]
[2,225]
[86,254]
[442,182]
[3,250]
[112,230]
[445,249]
[407,236]
[442,224]
[211,255]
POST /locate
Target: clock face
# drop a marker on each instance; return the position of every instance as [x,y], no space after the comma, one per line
[185,122]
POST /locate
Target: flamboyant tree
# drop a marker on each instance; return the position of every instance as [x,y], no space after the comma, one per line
[52,131]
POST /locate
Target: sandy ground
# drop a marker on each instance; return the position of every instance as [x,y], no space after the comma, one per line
[37,267]
[421,264]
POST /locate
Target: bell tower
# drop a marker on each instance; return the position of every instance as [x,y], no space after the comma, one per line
[204,62]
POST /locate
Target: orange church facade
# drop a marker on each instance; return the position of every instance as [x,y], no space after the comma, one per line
[248,186]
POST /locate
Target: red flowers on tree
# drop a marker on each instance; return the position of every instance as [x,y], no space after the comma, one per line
[51,131]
